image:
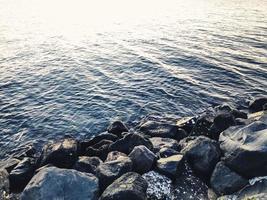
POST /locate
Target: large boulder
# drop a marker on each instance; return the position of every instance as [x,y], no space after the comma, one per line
[160,129]
[170,166]
[21,174]
[117,128]
[159,143]
[54,183]
[87,164]
[128,142]
[142,158]
[202,154]
[62,154]
[109,171]
[4,184]
[258,104]
[130,186]
[244,149]
[224,181]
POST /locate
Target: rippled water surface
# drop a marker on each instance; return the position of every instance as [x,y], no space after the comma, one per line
[70,67]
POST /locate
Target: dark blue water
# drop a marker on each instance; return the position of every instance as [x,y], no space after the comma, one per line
[72,67]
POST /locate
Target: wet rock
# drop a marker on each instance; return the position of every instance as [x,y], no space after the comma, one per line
[130,186]
[202,154]
[258,104]
[257,191]
[114,155]
[244,149]
[170,166]
[159,143]
[128,142]
[61,154]
[117,128]
[142,158]
[100,152]
[165,130]
[4,184]
[54,183]
[9,164]
[21,174]
[167,152]
[87,164]
[103,136]
[225,181]
[109,171]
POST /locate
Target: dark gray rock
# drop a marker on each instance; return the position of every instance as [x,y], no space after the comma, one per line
[117,128]
[130,186]
[109,171]
[244,149]
[143,159]
[87,164]
[159,143]
[4,184]
[258,104]
[54,183]
[167,152]
[9,164]
[100,152]
[202,126]
[61,154]
[239,114]
[187,123]
[224,181]
[202,154]
[170,166]
[21,174]
[114,155]
[128,142]
[160,129]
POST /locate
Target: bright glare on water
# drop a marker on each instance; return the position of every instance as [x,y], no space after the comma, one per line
[72,66]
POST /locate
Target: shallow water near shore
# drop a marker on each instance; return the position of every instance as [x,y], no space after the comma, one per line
[68,72]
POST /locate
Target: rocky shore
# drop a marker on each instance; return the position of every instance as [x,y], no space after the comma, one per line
[219,154]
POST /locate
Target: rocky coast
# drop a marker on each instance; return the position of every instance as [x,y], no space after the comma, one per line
[218,154]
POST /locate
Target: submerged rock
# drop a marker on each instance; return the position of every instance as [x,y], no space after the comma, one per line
[21,174]
[54,183]
[159,143]
[258,104]
[244,149]
[225,181]
[130,186]
[61,154]
[87,164]
[117,128]
[128,142]
[109,171]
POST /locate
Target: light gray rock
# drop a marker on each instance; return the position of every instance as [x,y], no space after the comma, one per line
[4,183]
[61,184]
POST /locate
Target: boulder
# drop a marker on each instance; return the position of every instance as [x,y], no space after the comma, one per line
[160,129]
[103,136]
[239,114]
[87,164]
[21,174]
[54,183]
[100,152]
[109,171]
[187,124]
[224,181]
[170,166]
[244,149]
[142,158]
[130,186]
[117,128]
[258,104]
[128,142]
[159,143]
[114,155]
[257,191]
[202,154]
[4,184]
[62,154]
[9,164]
[167,152]
[202,126]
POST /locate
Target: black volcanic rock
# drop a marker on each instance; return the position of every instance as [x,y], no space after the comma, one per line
[117,128]
[130,186]
[258,104]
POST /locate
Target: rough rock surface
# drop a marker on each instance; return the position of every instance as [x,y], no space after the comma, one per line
[202,154]
[258,104]
[128,142]
[225,181]
[109,171]
[257,191]
[61,154]
[244,149]
[159,143]
[117,128]
[166,152]
[54,183]
[9,164]
[130,186]
[4,183]
[114,155]
[87,164]
[142,158]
